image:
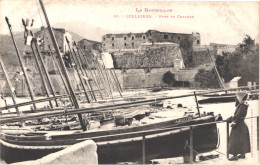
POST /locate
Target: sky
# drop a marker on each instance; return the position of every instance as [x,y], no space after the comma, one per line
[218,22]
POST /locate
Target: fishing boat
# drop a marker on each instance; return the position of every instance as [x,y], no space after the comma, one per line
[224,97]
[217,98]
[163,138]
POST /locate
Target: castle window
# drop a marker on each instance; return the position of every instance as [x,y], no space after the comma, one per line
[143,37]
[112,38]
[84,47]
[172,37]
[133,38]
[124,38]
[104,39]
[165,36]
[104,44]
[198,41]
[125,44]
[179,37]
[133,44]
[113,44]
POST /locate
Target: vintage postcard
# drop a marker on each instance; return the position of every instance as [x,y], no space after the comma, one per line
[129,82]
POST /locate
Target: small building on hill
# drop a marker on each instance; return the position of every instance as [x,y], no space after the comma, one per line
[220,48]
[86,44]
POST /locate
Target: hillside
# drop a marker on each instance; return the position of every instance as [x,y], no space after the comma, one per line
[7,50]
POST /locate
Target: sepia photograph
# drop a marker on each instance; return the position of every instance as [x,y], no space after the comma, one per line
[129,82]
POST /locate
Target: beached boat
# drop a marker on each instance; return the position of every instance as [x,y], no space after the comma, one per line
[119,144]
[223,98]
[217,98]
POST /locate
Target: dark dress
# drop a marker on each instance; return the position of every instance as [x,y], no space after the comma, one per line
[239,141]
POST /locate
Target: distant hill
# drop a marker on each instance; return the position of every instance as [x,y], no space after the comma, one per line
[7,50]
[75,36]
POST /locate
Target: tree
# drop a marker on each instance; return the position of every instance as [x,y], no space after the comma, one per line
[169,78]
[244,62]
[247,46]
[207,78]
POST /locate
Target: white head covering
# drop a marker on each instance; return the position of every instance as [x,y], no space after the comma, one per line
[241,96]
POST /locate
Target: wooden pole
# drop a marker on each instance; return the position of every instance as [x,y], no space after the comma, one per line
[227,137]
[73,96]
[81,81]
[108,83]
[34,41]
[9,84]
[102,76]
[198,108]
[59,71]
[31,102]
[41,72]
[191,145]
[101,71]
[106,75]
[143,148]
[117,80]
[219,78]
[77,70]
[21,64]
[45,71]
[79,67]
[84,73]
[88,66]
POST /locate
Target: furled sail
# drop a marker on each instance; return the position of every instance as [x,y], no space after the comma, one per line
[108,60]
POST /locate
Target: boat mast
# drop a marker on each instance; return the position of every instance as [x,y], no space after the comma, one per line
[73,96]
[59,71]
[216,70]
[41,72]
[94,66]
[45,71]
[77,71]
[9,84]
[21,64]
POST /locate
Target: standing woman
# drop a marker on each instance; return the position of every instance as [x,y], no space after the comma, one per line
[239,142]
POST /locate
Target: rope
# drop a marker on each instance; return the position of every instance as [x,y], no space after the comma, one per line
[220,152]
[205,156]
[39,12]
[198,152]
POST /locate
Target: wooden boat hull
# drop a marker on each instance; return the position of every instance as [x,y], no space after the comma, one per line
[224,98]
[158,146]
[115,148]
[217,99]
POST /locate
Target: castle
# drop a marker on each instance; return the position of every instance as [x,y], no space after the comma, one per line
[113,42]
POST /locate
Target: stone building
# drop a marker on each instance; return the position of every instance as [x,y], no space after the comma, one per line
[86,45]
[28,58]
[60,35]
[112,42]
[220,48]
[115,42]
[44,35]
[181,38]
